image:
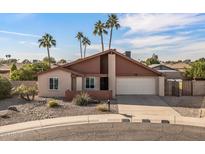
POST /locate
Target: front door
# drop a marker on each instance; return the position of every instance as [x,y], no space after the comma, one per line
[104,83]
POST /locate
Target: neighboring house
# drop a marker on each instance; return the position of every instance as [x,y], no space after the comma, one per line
[4,70]
[101,75]
[168,72]
[181,67]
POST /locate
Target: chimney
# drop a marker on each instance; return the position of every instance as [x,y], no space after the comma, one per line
[128,54]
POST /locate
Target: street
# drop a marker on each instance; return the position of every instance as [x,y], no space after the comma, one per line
[112,132]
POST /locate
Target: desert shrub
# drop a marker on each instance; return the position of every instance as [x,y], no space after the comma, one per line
[102,107]
[5,88]
[81,99]
[52,103]
[26,92]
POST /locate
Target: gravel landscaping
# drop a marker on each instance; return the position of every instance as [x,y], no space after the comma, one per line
[28,111]
[188,106]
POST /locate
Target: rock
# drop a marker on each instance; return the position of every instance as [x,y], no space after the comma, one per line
[13,108]
[4,114]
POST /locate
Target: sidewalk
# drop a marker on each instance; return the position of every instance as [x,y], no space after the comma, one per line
[103,118]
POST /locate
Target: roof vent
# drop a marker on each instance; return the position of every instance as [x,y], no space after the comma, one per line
[128,54]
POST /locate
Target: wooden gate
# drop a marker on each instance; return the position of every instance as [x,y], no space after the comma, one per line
[172,88]
[187,88]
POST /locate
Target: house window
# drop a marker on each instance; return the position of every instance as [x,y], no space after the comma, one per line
[90,83]
[53,83]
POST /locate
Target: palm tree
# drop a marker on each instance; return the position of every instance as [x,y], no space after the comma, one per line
[85,42]
[8,56]
[79,36]
[99,30]
[111,23]
[47,41]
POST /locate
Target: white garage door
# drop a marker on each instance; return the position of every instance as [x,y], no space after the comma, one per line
[136,85]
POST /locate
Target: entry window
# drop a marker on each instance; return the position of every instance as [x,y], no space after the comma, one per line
[90,83]
[53,83]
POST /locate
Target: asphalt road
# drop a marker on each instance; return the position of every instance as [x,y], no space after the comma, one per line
[113,132]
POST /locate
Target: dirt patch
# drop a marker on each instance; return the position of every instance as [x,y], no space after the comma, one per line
[34,110]
[188,106]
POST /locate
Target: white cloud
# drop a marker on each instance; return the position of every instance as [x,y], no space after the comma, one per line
[171,36]
[150,41]
[22,42]
[19,34]
[142,23]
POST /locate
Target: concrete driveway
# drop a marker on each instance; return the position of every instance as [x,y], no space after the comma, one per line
[144,105]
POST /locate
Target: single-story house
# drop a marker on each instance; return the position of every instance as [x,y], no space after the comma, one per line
[168,72]
[103,76]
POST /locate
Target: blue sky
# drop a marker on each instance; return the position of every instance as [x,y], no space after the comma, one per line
[171,36]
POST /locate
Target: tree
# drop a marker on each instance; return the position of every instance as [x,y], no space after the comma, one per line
[196,71]
[5,88]
[28,71]
[26,92]
[111,23]
[26,61]
[85,42]
[8,56]
[152,60]
[13,67]
[62,61]
[79,36]
[201,59]
[99,30]
[47,41]
[52,60]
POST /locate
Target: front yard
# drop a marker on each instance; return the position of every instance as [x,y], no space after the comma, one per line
[33,110]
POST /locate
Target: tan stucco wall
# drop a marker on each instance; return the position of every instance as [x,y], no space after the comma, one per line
[112,73]
[64,79]
[161,89]
[79,83]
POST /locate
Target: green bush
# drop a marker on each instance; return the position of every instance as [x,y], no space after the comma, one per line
[102,107]
[5,88]
[196,71]
[82,99]
[153,60]
[28,71]
[13,67]
[52,103]
[26,92]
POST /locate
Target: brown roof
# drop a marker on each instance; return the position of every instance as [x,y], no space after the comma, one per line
[96,55]
[179,66]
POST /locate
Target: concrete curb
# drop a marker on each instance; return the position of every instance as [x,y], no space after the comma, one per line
[62,121]
[89,119]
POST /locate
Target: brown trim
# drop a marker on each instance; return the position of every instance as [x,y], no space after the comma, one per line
[96,75]
[60,68]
